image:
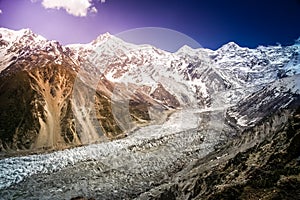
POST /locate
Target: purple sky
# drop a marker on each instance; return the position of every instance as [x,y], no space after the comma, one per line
[210,22]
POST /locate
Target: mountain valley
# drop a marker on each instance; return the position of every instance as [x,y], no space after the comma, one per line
[114,120]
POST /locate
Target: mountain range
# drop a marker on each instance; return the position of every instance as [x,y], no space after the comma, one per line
[221,119]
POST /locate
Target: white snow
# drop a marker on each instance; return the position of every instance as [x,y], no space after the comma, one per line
[242,121]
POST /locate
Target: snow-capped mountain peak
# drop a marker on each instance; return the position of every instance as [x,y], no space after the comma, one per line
[186,49]
[12,36]
[21,44]
[231,46]
[103,38]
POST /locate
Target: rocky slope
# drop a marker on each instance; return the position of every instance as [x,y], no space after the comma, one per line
[261,162]
[46,105]
[36,85]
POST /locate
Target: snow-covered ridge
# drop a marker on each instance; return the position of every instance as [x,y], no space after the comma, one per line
[11,35]
[21,44]
[234,67]
[275,96]
[192,75]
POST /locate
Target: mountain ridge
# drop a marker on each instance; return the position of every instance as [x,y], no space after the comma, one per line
[199,78]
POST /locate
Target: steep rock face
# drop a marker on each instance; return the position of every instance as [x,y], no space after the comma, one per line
[36,104]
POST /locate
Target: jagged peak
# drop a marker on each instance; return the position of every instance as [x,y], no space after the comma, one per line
[186,48]
[103,38]
[24,31]
[230,45]
[13,35]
